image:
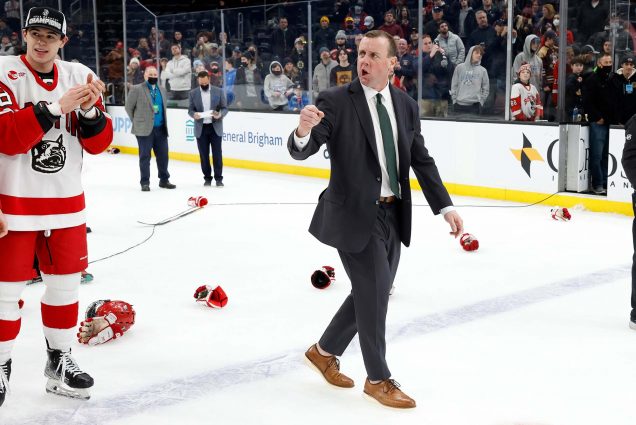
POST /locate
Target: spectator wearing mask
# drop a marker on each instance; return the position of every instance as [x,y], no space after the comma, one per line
[599,101]
[470,84]
[216,75]
[350,31]
[369,24]
[556,22]
[529,56]
[325,36]
[322,72]
[177,72]
[525,100]
[277,87]
[248,83]
[344,72]
[451,44]
[390,26]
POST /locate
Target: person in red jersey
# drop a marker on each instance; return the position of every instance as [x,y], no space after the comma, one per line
[51,111]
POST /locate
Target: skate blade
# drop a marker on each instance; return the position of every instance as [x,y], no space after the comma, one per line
[54,386]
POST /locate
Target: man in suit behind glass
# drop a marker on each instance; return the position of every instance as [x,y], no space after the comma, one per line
[208,129]
[372,132]
[146,107]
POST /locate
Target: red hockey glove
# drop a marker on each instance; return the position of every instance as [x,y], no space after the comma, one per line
[324,277]
[197,201]
[560,214]
[469,242]
[214,298]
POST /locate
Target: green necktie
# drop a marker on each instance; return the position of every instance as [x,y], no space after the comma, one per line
[389,145]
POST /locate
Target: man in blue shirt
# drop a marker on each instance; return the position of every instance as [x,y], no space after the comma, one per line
[146,108]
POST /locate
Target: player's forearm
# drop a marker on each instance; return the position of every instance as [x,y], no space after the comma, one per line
[22,129]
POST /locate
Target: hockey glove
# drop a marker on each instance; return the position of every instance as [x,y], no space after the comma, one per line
[560,214]
[98,330]
[214,298]
[469,242]
[324,277]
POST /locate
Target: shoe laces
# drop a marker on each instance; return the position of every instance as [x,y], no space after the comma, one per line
[334,362]
[4,380]
[391,385]
[67,365]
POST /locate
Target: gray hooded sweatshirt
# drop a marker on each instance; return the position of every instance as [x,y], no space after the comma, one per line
[536,64]
[276,83]
[470,82]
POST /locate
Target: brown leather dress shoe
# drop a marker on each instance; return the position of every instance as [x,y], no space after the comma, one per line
[328,367]
[388,393]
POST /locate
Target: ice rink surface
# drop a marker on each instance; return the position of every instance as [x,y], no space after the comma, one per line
[531,329]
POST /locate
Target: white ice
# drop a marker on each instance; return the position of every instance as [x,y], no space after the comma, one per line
[532,329]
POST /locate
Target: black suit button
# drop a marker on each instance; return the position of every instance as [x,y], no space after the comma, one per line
[377,202]
[379,179]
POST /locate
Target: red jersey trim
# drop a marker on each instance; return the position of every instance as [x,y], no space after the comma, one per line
[38,79]
[14,205]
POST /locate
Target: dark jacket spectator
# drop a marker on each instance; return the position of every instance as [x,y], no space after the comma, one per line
[325,36]
[590,19]
[625,85]
[283,39]
[599,96]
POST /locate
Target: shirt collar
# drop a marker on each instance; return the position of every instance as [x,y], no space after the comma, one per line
[369,92]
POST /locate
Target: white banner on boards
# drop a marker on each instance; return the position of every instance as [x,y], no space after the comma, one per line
[247,136]
[618,187]
[492,155]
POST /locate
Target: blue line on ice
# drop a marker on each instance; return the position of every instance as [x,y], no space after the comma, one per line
[192,387]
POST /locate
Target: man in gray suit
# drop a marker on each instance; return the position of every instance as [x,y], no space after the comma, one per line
[146,107]
[372,132]
[208,107]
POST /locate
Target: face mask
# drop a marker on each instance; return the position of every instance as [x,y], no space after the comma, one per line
[152,80]
[215,70]
[205,87]
[244,64]
[556,22]
[277,72]
[350,26]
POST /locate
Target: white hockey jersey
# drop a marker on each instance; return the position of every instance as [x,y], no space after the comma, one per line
[525,103]
[40,173]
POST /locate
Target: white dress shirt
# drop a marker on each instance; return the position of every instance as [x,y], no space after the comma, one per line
[205,98]
[387,101]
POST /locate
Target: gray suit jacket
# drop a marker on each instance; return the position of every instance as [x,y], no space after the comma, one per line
[139,109]
[346,211]
[217,103]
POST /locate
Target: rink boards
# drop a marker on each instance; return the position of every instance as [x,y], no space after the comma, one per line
[507,161]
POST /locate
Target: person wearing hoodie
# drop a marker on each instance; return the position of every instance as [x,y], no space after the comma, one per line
[322,71]
[625,85]
[277,87]
[470,84]
[451,44]
[599,101]
[529,56]
[178,73]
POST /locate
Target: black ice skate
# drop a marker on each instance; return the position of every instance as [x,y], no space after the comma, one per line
[5,374]
[65,376]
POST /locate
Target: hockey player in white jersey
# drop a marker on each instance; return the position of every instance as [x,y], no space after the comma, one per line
[50,112]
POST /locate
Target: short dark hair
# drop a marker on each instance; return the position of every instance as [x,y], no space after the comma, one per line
[382,34]
[203,74]
[580,59]
[442,22]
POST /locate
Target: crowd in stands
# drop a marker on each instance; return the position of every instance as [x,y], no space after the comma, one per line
[464,46]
